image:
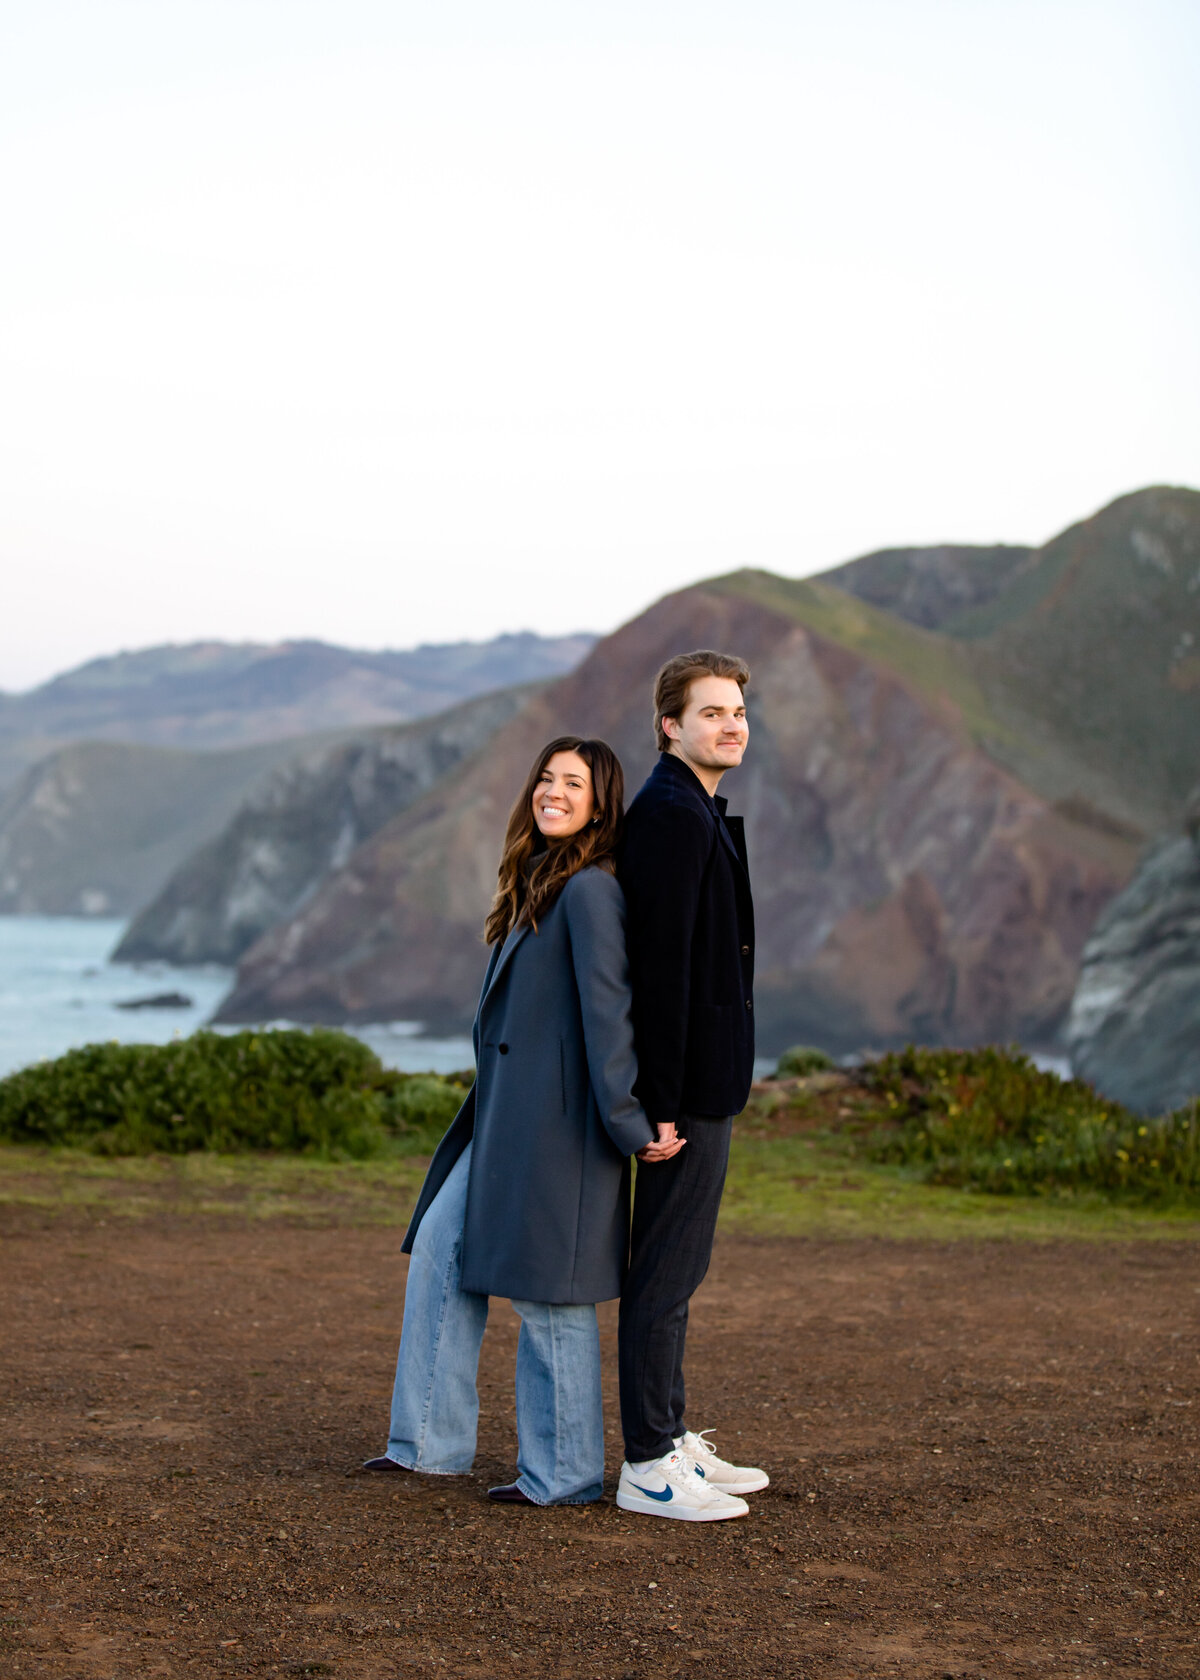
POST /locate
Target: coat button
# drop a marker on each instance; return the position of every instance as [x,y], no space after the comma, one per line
[503,1049]
[749,1003]
[745,950]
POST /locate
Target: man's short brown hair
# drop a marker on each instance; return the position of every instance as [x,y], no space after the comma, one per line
[673,682]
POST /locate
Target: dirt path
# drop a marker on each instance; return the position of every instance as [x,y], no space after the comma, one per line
[984,1464]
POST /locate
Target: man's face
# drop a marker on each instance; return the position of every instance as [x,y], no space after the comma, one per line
[713,731]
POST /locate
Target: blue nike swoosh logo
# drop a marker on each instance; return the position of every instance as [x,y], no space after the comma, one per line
[700,1472]
[650,1493]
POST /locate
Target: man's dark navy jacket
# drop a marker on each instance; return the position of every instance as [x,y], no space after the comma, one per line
[690,933]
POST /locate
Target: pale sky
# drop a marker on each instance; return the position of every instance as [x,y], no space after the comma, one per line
[388,322]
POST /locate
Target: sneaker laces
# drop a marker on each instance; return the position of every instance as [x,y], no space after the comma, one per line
[687,1462]
[706,1448]
[705,1489]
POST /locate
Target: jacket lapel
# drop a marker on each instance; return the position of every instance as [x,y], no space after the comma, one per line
[501,962]
[733,836]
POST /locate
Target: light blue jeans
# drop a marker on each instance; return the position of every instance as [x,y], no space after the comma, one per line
[435,1405]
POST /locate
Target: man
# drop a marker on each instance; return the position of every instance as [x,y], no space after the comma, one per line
[690,934]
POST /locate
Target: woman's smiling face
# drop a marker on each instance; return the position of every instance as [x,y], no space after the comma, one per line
[563,801]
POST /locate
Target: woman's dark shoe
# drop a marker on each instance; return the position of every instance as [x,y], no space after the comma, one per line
[385,1463]
[510,1495]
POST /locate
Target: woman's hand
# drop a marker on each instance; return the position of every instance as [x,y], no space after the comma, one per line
[667,1143]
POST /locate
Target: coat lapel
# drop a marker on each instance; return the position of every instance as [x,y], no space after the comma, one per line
[501,962]
[732,832]
[669,770]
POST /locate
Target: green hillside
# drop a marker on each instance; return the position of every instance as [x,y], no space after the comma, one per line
[1082,676]
[961,680]
[934,665]
[1094,654]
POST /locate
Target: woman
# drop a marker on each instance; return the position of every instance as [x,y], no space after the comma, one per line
[528,1193]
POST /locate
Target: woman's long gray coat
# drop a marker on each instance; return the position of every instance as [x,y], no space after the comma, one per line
[552,1110]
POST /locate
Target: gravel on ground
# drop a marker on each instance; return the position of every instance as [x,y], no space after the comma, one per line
[983,1463]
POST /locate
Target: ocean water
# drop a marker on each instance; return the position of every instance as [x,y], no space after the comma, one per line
[58,990]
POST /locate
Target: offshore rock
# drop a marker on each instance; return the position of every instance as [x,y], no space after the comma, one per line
[157,1000]
[1134,1029]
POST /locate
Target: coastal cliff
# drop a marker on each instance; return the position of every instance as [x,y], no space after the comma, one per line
[300,824]
[1134,1028]
[906,885]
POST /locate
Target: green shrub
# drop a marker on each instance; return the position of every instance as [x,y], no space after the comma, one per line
[800,1061]
[990,1120]
[423,1103]
[320,1092]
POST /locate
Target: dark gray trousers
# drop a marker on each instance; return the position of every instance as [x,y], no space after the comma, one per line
[675,1207]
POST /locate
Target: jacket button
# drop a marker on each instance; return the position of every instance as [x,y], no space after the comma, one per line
[503,1049]
[745,950]
[749,1003]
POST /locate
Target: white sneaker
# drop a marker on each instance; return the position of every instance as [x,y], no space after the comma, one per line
[670,1487]
[726,1478]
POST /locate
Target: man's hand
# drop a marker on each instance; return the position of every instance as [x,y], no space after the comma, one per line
[667,1143]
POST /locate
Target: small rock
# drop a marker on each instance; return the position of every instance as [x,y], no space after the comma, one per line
[158,1000]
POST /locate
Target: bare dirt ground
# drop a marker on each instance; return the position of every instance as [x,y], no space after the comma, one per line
[983,1462]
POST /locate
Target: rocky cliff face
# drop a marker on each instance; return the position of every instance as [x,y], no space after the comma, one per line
[905,885]
[1134,1029]
[301,824]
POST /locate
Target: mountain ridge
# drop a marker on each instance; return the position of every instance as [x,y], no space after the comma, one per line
[215,695]
[933,585]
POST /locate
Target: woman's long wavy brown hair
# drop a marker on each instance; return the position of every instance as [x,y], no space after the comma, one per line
[534,870]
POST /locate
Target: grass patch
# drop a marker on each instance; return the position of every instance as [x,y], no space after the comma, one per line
[818,1187]
[812,1184]
[54,1181]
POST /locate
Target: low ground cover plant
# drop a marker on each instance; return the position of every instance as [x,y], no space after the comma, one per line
[319,1092]
[989,1119]
[801,1061]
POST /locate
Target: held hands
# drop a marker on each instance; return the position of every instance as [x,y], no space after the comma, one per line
[667,1143]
